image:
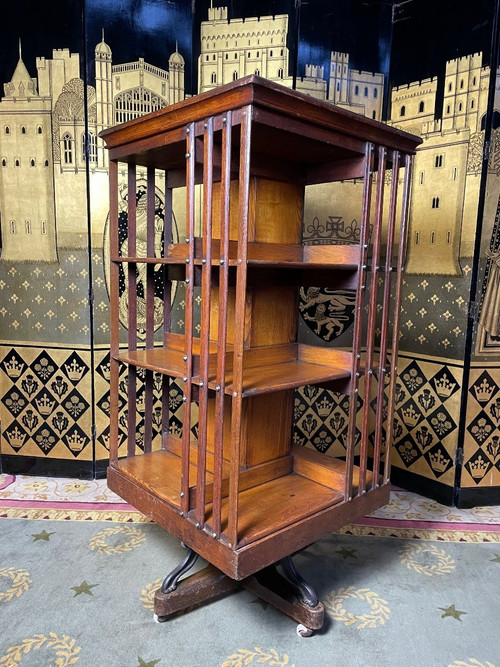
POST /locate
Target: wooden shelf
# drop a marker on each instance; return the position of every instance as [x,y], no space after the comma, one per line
[279,255]
[266,369]
[272,496]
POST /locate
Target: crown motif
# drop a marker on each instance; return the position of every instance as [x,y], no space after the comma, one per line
[410,416]
[45,404]
[483,391]
[74,371]
[444,387]
[16,437]
[175,430]
[140,403]
[105,440]
[438,461]
[106,370]
[13,368]
[478,468]
[76,442]
[324,407]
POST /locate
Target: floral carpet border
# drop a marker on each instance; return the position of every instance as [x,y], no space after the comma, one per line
[123,513]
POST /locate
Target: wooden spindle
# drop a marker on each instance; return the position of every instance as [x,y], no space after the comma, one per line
[358,319]
[397,311]
[167,309]
[206,275]
[114,311]
[188,316]
[222,324]
[132,308]
[372,319]
[384,326]
[239,335]
[150,306]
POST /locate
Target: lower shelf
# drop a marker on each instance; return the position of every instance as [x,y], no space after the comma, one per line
[271,496]
[275,519]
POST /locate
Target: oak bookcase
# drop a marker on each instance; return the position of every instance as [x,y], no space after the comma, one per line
[235,490]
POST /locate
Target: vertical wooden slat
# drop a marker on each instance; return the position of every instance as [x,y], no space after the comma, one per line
[188,316]
[206,274]
[372,319]
[397,311]
[358,319]
[239,334]
[384,325]
[114,270]
[222,323]
[132,308]
[150,306]
[167,309]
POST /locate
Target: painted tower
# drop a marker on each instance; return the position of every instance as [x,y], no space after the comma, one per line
[447,165]
[231,49]
[356,90]
[27,212]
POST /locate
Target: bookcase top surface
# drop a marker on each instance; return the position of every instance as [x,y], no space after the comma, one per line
[271,102]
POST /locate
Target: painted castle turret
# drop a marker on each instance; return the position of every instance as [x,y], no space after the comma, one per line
[48,148]
[26,173]
[447,165]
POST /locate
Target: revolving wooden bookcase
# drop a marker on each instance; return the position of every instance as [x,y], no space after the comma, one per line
[235,490]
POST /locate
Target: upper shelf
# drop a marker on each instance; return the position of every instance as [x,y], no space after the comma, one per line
[268,254]
[287,126]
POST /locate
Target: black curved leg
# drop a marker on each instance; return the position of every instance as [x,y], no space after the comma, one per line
[171,580]
[306,592]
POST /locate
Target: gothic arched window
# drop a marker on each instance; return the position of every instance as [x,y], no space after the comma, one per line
[67,148]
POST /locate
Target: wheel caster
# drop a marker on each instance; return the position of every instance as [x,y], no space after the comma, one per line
[159,619]
[302,631]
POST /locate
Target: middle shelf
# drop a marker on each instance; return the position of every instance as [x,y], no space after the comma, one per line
[265,369]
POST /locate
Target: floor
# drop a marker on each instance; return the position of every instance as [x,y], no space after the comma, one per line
[93,495]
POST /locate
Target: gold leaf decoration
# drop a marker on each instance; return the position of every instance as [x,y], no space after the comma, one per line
[334,606]
[136,538]
[246,656]
[64,647]
[445,564]
[148,594]
[21,582]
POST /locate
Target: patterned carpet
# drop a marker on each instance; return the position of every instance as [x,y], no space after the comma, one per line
[414,584]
